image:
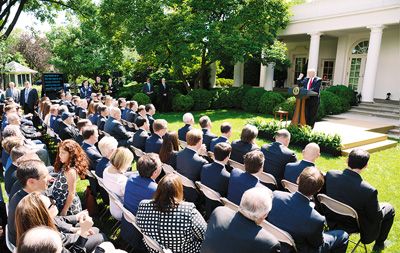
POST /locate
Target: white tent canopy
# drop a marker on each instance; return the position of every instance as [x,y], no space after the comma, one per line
[18,74]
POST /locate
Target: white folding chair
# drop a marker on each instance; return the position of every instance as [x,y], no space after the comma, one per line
[138,152]
[267,178]
[230,204]
[279,234]
[342,209]
[208,192]
[235,164]
[187,182]
[104,133]
[10,246]
[289,186]
[183,144]
[168,169]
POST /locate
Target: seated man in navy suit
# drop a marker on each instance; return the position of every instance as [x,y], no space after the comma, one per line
[10,176]
[226,132]
[188,119]
[347,186]
[277,155]
[293,170]
[138,188]
[130,114]
[150,111]
[246,143]
[215,175]
[154,142]
[240,181]
[230,231]
[114,127]
[313,83]
[90,136]
[141,135]
[206,125]
[57,122]
[141,111]
[102,118]
[293,214]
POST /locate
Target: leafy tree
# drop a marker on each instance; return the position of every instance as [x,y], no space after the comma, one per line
[193,34]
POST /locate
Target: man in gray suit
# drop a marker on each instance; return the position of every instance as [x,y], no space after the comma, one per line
[13,92]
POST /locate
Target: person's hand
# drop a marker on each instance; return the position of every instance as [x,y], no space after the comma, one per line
[38,134]
[301,75]
[203,150]
[85,226]
[52,179]
[29,115]
[83,214]
[63,213]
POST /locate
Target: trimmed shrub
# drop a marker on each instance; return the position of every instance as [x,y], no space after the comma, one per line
[289,106]
[251,100]
[268,101]
[321,111]
[202,99]
[182,103]
[141,99]
[344,104]
[223,82]
[331,102]
[171,94]
[238,95]
[224,99]
[286,95]
[344,92]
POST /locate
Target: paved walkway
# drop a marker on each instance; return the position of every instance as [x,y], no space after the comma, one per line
[349,115]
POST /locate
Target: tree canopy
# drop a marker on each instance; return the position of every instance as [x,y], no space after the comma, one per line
[190,33]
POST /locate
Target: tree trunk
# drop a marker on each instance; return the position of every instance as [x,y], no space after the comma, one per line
[198,83]
[183,78]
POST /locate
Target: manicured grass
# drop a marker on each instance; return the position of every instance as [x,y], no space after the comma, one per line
[382,171]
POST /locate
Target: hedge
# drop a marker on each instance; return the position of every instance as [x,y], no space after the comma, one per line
[289,106]
[182,103]
[238,95]
[223,82]
[223,98]
[251,100]
[202,99]
[344,92]
[268,102]
[141,99]
[171,95]
[331,102]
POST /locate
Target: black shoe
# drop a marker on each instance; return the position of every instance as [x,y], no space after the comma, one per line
[378,247]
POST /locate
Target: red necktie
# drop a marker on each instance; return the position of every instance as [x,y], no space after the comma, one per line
[309,84]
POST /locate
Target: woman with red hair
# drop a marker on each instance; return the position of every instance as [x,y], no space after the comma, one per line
[71,162]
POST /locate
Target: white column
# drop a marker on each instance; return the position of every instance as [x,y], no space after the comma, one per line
[267,76]
[238,74]
[16,79]
[30,79]
[213,74]
[314,51]
[371,66]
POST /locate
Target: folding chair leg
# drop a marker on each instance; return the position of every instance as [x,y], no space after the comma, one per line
[115,228]
[357,244]
[103,213]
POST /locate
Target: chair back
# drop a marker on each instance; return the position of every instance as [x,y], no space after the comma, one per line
[235,164]
[9,244]
[104,133]
[267,178]
[230,204]
[168,168]
[280,235]
[208,192]
[289,186]
[138,152]
[186,181]
[338,207]
[183,144]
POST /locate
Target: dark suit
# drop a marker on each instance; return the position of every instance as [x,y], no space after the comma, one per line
[230,231]
[277,156]
[147,89]
[82,113]
[12,230]
[79,139]
[313,102]
[115,128]
[239,182]
[163,99]
[151,121]
[29,105]
[94,118]
[349,188]
[130,116]
[183,131]
[10,177]
[153,144]
[139,139]
[101,121]
[57,124]
[216,141]
[240,149]
[293,170]
[208,137]
[102,165]
[293,214]
[68,132]
[93,155]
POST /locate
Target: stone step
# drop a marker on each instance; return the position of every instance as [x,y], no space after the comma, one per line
[382,115]
[379,105]
[377,109]
[394,133]
[384,101]
[373,147]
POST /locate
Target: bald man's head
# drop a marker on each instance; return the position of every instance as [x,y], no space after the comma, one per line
[311,152]
[40,239]
[115,113]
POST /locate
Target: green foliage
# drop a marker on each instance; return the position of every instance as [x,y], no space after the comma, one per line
[276,52]
[268,102]
[182,103]
[223,82]
[321,111]
[202,99]
[289,105]
[286,95]
[80,80]
[224,99]
[251,100]
[344,92]
[238,94]
[171,95]
[141,99]
[331,102]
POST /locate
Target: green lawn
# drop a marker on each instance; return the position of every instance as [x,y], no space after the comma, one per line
[382,171]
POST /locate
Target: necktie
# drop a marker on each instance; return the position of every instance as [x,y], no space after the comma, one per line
[26,95]
[309,84]
[148,84]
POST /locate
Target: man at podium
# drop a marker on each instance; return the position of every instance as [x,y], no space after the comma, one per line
[313,83]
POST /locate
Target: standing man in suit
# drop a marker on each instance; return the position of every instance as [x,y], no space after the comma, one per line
[246,143]
[277,155]
[347,186]
[29,97]
[226,132]
[67,129]
[148,89]
[163,94]
[240,181]
[154,142]
[114,127]
[230,231]
[293,170]
[141,135]
[313,83]
[206,125]
[188,119]
[13,92]
[293,214]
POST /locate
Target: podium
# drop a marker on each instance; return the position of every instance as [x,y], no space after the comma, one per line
[299,116]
